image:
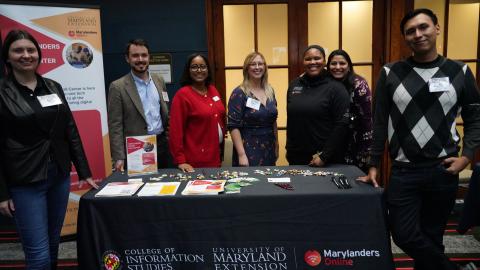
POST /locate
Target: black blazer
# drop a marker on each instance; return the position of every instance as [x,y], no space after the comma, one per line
[25,148]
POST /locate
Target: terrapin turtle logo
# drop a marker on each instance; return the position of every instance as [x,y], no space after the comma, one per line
[111,260]
[312,257]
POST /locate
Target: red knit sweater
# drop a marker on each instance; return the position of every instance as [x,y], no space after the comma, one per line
[194,121]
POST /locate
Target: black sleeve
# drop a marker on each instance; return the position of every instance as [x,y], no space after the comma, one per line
[77,154]
[381,105]
[470,103]
[3,178]
[340,105]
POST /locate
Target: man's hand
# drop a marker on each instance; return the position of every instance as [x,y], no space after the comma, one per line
[7,207]
[455,165]
[370,178]
[185,167]
[119,165]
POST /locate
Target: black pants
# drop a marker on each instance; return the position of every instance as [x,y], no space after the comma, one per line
[164,159]
[419,202]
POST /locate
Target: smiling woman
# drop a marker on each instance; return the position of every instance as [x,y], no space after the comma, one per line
[359,137]
[252,116]
[197,118]
[317,118]
[36,151]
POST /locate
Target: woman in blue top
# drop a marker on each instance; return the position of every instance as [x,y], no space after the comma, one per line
[252,116]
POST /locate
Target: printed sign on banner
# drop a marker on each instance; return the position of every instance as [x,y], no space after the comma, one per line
[278,256]
[70,40]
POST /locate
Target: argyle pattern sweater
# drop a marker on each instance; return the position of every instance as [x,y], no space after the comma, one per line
[419,124]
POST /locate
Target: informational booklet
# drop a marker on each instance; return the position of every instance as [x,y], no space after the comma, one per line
[116,189]
[141,154]
[204,187]
[159,189]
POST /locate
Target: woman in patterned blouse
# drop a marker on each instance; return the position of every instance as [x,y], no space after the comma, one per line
[252,116]
[340,68]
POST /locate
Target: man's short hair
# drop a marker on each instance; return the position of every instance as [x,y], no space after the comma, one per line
[414,13]
[137,42]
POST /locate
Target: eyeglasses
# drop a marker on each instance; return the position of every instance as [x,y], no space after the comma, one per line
[198,67]
[256,64]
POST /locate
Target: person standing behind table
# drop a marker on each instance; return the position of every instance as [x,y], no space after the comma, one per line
[197,118]
[416,103]
[252,116]
[317,114]
[340,67]
[38,142]
[137,105]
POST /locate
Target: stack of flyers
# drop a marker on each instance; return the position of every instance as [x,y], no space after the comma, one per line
[159,189]
[235,184]
[204,187]
[116,189]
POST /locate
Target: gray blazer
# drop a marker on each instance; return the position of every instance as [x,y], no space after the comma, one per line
[126,116]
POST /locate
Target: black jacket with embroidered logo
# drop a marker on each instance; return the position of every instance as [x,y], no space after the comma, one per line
[317,118]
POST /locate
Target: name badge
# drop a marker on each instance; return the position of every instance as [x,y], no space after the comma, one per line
[253,103]
[49,100]
[165,96]
[297,90]
[439,84]
[216,98]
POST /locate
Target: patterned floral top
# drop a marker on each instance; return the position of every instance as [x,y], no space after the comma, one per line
[256,128]
[360,137]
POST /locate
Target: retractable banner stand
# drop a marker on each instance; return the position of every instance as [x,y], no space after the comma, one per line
[71,44]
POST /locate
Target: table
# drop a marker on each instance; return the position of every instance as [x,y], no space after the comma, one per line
[265,227]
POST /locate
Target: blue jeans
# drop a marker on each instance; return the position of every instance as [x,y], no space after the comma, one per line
[39,213]
[419,202]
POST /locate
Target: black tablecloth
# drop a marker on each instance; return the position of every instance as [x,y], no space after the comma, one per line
[315,226]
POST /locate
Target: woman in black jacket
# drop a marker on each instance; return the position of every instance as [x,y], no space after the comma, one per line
[38,142]
[317,114]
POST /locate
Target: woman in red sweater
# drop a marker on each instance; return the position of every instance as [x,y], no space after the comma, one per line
[197,118]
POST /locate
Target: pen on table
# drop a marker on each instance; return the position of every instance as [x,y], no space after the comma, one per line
[335,182]
[348,184]
[340,181]
[343,182]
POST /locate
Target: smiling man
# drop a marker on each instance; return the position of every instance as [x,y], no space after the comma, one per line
[417,101]
[137,105]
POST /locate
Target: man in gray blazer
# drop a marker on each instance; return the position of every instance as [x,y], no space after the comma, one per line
[137,105]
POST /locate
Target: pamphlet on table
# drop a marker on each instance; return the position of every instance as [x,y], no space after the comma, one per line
[159,189]
[204,187]
[116,189]
[141,154]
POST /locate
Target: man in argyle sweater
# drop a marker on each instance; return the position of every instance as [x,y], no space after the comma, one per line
[416,103]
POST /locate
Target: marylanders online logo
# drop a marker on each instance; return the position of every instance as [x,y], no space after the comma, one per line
[337,257]
[312,258]
[111,260]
